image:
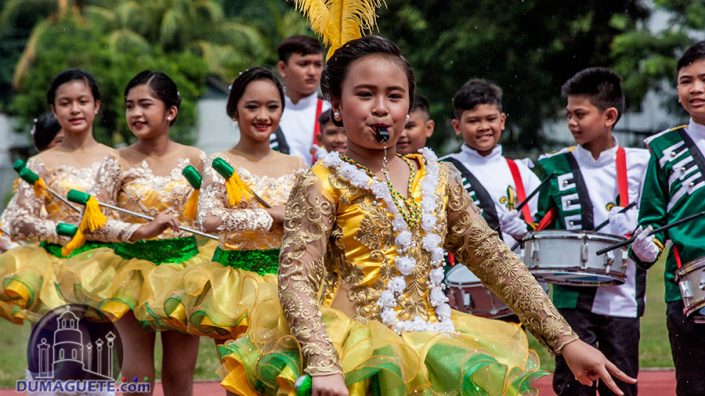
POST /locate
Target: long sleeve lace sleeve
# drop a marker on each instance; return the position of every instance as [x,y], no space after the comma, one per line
[308,224]
[213,208]
[106,190]
[23,214]
[474,243]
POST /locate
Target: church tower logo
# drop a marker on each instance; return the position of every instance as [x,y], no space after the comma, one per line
[72,348]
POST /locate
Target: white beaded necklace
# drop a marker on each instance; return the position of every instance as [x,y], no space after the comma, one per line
[431,242]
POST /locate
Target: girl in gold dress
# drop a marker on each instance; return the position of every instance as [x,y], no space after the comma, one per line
[246,211]
[361,267]
[140,286]
[29,272]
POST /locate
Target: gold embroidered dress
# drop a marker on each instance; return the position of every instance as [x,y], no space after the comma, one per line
[339,283]
[145,276]
[28,272]
[221,293]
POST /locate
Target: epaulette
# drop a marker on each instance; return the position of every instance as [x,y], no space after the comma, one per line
[651,138]
[554,153]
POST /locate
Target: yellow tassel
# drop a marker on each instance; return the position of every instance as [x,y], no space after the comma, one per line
[76,242]
[339,21]
[92,220]
[237,189]
[191,205]
[40,188]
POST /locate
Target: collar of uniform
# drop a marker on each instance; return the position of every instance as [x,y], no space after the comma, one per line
[472,155]
[303,103]
[585,158]
[695,130]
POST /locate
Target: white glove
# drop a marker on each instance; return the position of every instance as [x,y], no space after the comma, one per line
[511,224]
[622,223]
[643,246]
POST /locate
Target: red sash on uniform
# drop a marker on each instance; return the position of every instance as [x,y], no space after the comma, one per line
[521,193]
[316,127]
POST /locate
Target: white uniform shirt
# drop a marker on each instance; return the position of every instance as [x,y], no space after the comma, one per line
[493,173]
[600,177]
[298,123]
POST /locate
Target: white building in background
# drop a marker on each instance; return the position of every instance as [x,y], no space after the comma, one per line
[216,131]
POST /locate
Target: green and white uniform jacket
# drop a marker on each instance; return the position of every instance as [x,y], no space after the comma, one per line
[582,194]
[674,188]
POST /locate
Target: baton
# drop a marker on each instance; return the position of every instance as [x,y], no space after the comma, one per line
[81,197]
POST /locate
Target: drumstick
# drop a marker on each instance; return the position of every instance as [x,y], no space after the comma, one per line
[531,195]
[31,178]
[657,230]
[536,191]
[82,197]
[623,210]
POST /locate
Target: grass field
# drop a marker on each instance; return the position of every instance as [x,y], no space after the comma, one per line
[654,347]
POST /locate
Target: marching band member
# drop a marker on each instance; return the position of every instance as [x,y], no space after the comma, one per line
[361,266]
[672,190]
[29,272]
[592,183]
[141,285]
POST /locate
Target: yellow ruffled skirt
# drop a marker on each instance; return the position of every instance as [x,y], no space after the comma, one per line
[27,276]
[484,357]
[145,277]
[220,294]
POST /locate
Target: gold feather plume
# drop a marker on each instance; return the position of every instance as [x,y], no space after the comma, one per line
[339,21]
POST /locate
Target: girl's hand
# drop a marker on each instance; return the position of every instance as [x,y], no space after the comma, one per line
[329,385]
[588,365]
[277,213]
[155,227]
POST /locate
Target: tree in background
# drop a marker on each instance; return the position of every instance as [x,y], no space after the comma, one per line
[115,39]
[646,59]
[74,42]
[530,48]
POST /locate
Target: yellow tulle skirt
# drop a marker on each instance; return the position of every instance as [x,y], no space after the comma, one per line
[484,357]
[219,295]
[27,276]
[144,277]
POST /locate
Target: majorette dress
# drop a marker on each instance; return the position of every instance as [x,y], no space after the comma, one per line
[221,294]
[145,276]
[28,272]
[392,333]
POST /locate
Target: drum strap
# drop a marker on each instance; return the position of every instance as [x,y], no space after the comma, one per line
[583,195]
[278,142]
[677,257]
[521,193]
[622,180]
[489,212]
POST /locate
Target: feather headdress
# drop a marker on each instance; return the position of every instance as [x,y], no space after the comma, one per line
[339,21]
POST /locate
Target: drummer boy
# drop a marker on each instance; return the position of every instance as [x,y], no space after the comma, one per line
[593,181]
[673,189]
[496,183]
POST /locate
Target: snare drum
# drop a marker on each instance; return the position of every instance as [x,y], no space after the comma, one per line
[466,294]
[691,280]
[568,258]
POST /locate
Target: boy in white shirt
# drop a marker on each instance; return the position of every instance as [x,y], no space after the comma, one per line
[300,66]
